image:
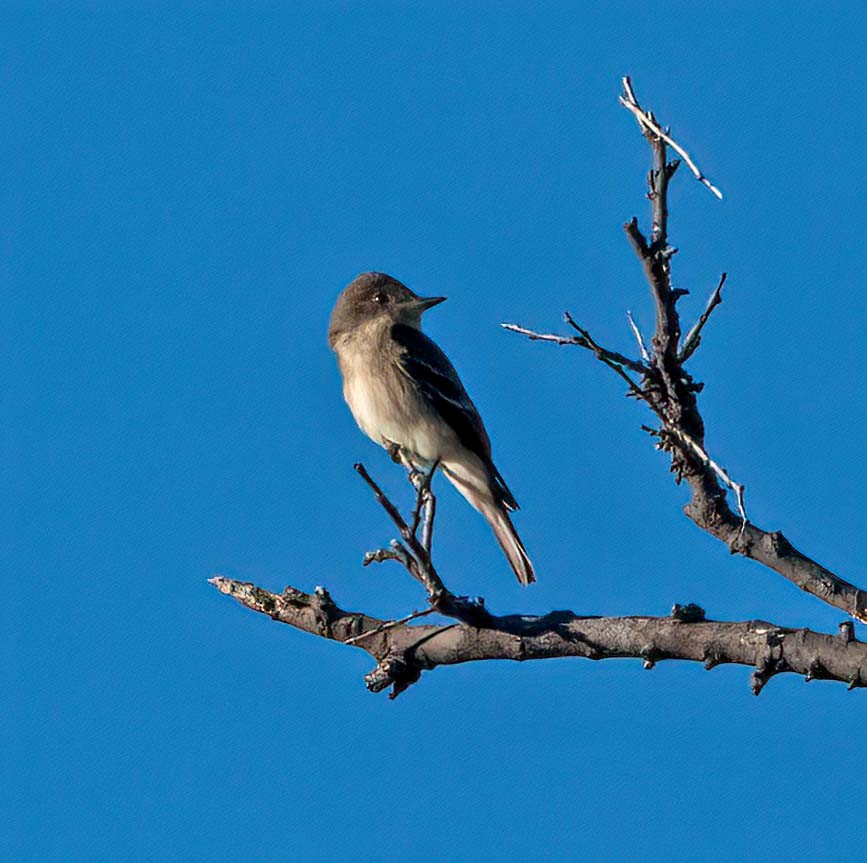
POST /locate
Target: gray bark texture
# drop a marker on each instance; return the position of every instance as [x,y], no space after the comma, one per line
[403,652]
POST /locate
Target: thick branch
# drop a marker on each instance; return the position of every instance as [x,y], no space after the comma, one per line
[403,651]
[709,510]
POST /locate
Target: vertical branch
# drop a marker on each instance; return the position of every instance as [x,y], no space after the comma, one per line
[658,183]
[646,120]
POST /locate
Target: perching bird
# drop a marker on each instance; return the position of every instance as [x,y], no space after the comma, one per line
[404,392]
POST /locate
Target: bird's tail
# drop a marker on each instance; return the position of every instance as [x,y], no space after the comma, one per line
[509,541]
[485,490]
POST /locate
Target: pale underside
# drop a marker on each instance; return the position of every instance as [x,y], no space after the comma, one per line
[389,409]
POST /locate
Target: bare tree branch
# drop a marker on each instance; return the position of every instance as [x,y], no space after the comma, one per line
[670,392]
[402,652]
[639,339]
[693,337]
[581,341]
[415,553]
[414,556]
[390,624]
[648,123]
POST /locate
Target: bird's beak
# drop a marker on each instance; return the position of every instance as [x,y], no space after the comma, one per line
[425,303]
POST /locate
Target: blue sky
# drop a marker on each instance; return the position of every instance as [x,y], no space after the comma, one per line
[186,189]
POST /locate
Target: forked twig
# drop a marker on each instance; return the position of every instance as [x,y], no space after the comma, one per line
[580,341]
[415,553]
[411,553]
[616,362]
[610,358]
[668,425]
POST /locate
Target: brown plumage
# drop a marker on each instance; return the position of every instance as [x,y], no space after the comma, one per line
[402,389]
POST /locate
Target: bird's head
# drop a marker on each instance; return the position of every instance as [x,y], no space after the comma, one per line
[376,297]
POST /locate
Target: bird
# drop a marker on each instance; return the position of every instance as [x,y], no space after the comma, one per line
[405,395]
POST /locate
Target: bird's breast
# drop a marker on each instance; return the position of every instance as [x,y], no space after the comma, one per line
[387,406]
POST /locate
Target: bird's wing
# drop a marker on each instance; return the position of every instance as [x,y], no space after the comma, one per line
[429,368]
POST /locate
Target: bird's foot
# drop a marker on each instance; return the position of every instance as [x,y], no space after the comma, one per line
[422,478]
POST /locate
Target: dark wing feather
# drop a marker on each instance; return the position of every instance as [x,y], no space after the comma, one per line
[429,368]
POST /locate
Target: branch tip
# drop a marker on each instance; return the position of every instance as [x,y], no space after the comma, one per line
[693,338]
[651,129]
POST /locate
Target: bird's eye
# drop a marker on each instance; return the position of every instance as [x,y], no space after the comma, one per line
[380,297]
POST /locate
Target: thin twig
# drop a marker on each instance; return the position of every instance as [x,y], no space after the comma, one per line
[693,337]
[417,479]
[427,525]
[580,341]
[384,502]
[638,338]
[543,337]
[414,556]
[647,121]
[390,624]
[421,481]
[608,357]
[669,426]
[381,554]
[718,469]
[425,505]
